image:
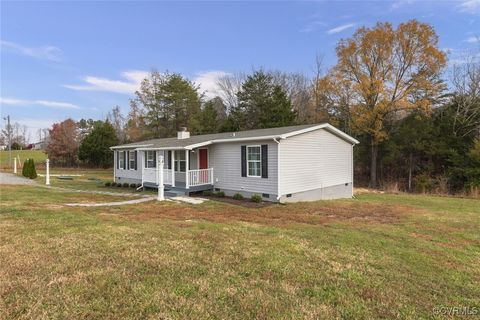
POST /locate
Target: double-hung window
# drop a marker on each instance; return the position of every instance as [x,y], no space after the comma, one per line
[121,159]
[150,159]
[180,161]
[254,161]
[131,160]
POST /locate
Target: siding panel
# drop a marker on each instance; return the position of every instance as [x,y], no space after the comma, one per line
[225,158]
[312,160]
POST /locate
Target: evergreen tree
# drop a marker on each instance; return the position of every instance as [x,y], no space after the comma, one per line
[261,104]
[32,174]
[170,102]
[95,147]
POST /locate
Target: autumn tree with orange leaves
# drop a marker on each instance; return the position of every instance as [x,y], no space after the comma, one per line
[382,75]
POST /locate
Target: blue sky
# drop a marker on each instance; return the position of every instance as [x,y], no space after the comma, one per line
[80,59]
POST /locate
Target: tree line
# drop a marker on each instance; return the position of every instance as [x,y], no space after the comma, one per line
[418,120]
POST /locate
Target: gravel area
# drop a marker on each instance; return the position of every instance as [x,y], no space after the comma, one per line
[10,178]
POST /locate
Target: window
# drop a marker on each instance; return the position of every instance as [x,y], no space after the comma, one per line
[121,159]
[180,162]
[254,161]
[150,159]
[131,160]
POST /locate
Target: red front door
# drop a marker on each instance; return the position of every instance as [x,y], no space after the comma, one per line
[203,158]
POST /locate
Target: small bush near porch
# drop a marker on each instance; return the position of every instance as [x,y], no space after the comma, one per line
[381,256]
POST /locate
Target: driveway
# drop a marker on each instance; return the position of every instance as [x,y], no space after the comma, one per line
[10,178]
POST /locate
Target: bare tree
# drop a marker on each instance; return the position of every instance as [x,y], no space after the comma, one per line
[465,79]
[229,86]
[118,122]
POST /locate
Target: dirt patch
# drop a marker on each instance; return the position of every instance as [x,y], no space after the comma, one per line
[273,214]
[246,203]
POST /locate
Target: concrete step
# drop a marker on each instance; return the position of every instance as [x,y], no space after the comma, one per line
[174,193]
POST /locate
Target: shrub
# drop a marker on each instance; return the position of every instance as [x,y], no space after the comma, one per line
[237,196]
[133,185]
[108,184]
[126,185]
[25,168]
[220,194]
[33,171]
[28,170]
[207,193]
[256,198]
[119,185]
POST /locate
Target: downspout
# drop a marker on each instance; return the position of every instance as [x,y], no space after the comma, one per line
[278,170]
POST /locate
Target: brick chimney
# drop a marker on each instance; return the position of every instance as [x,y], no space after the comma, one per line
[183,133]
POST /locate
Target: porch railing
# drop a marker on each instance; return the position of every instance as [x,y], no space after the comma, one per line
[200,177]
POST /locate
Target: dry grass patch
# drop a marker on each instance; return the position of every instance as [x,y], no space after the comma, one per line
[309,213]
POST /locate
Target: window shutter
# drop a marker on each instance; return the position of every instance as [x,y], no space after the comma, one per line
[244,160]
[128,158]
[154,159]
[136,160]
[264,160]
[169,160]
[125,160]
[145,157]
[118,159]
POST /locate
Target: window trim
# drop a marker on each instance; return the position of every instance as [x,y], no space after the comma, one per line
[130,159]
[178,160]
[121,160]
[259,161]
[151,160]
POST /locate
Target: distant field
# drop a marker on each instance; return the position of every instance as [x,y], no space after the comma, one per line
[37,155]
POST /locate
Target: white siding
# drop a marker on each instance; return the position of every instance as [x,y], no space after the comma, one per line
[225,158]
[312,160]
[129,174]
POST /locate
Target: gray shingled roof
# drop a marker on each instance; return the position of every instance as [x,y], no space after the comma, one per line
[206,138]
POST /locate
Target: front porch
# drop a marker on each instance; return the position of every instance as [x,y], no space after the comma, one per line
[176,168]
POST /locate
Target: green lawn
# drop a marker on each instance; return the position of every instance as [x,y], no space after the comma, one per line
[38,156]
[379,256]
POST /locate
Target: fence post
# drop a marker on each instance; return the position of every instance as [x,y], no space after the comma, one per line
[47,174]
[15,165]
[160,196]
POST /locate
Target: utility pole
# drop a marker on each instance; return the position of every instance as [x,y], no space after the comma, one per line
[9,135]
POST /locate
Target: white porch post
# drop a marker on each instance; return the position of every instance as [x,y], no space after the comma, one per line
[142,163]
[186,169]
[157,171]
[173,167]
[47,173]
[15,165]
[161,188]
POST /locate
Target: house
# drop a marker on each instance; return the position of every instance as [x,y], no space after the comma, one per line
[40,145]
[286,164]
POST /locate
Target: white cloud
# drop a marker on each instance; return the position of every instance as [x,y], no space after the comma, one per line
[45,103]
[208,82]
[473,39]
[470,6]
[44,52]
[400,3]
[133,79]
[341,28]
